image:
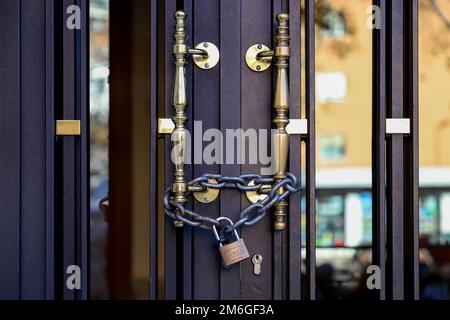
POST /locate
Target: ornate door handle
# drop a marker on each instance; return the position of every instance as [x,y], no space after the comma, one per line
[281,120]
[205,56]
[259,57]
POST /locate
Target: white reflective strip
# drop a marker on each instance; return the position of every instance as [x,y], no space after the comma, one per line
[398,126]
[297,126]
[165,126]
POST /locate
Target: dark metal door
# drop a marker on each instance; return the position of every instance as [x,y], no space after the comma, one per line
[44,178]
[184,262]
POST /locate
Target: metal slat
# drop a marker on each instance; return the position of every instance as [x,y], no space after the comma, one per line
[50,150]
[82,98]
[256,111]
[188,250]
[33,261]
[10,107]
[230,106]
[412,153]
[205,108]
[279,249]
[169,236]
[310,152]
[395,158]
[294,240]
[379,147]
[153,294]
[120,151]
[69,154]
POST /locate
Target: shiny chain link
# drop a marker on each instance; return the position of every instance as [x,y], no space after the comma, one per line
[249,216]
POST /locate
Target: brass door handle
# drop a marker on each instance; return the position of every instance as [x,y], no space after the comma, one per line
[259,58]
[179,135]
[205,56]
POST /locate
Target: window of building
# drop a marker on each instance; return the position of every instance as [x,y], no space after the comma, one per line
[331,87]
[330,221]
[333,25]
[332,147]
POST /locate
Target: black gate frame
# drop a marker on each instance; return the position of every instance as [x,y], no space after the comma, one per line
[395,161]
[44,203]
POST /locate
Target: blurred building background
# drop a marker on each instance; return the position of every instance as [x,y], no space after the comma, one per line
[344,129]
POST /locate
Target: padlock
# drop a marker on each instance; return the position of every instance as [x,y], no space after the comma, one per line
[233,252]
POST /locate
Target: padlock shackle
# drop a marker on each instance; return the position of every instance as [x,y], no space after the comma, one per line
[216,233]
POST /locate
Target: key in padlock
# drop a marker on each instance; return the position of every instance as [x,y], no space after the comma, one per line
[233,252]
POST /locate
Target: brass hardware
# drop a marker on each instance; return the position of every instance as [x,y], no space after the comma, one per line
[297,126]
[205,55]
[196,189]
[232,252]
[258,57]
[281,120]
[68,127]
[209,195]
[165,126]
[179,135]
[260,195]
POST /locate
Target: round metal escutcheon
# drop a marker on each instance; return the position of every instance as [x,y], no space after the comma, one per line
[253,62]
[211,60]
[209,195]
[255,196]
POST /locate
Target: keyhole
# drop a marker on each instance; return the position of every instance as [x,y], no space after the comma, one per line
[257,260]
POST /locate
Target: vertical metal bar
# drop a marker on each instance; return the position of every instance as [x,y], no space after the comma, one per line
[411,155]
[153,294]
[182,102]
[395,158]
[206,91]
[310,152]
[230,106]
[69,155]
[170,249]
[161,147]
[50,149]
[83,186]
[294,217]
[256,99]
[188,249]
[10,106]
[32,74]
[279,243]
[281,109]
[379,147]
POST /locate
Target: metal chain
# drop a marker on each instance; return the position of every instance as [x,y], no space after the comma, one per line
[249,216]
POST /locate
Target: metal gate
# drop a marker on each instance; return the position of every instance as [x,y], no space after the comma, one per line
[44,200]
[44,219]
[184,262]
